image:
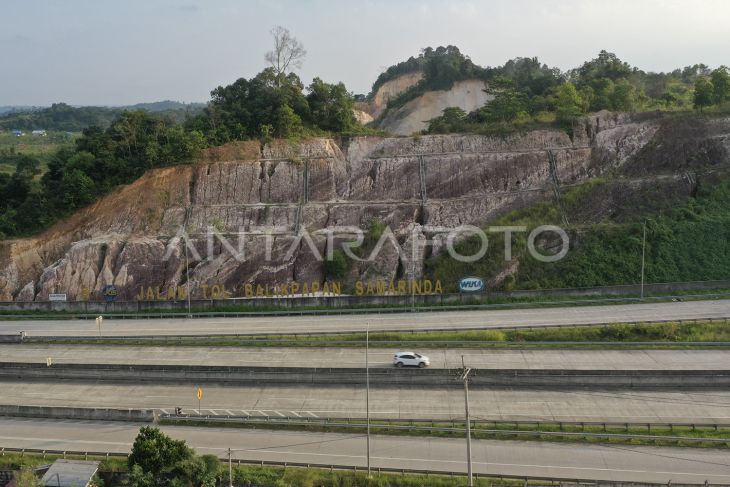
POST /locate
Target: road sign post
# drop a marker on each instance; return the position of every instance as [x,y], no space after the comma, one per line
[200,397]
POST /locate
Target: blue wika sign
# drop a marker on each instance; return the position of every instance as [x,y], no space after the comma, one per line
[471,284]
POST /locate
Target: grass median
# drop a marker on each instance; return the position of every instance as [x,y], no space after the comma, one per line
[630,434]
[686,334]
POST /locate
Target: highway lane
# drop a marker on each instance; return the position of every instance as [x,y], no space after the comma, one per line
[385,402]
[683,310]
[711,359]
[612,463]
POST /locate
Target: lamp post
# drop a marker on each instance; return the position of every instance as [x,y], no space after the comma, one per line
[187,273]
[465,378]
[643,259]
[230,469]
[367,390]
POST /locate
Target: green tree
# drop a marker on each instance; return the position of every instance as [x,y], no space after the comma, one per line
[451,120]
[624,96]
[704,93]
[331,106]
[509,105]
[569,104]
[157,454]
[720,85]
[286,122]
[157,459]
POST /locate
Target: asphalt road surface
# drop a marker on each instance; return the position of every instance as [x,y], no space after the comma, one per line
[385,402]
[684,310]
[351,357]
[613,463]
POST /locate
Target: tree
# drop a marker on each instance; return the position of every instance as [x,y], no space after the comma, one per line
[623,97]
[286,122]
[704,93]
[157,459]
[569,104]
[288,52]
[451,120]
[157,454]
[508,105]
[330,106]
[720,85]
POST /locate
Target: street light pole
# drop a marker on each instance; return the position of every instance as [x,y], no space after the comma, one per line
[465,377]
[367,390]
[230,469]
[187,274]
[643,259]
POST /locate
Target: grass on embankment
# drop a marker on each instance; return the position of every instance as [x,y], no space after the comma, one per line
[506,431]
[619,335]
[276,476]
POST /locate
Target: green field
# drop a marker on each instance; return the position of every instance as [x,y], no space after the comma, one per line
[41,147]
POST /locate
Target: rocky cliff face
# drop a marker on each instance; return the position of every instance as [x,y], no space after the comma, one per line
[375,107]
[413,117]
[245,195]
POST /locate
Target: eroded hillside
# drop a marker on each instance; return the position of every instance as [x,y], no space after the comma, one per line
[412,185]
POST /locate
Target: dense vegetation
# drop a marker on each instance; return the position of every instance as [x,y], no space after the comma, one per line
[276,105]
[99,160]
[157,459]
[118,146]
[441,68]
[684,242]
[65,118]
[526,91]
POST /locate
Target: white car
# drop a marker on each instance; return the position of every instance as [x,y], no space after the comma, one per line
[410,358]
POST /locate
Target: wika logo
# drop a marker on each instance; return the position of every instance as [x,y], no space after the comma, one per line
[471,284]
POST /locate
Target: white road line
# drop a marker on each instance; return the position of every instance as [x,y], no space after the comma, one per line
[214,412]
[295,414]
[277,412]
[261,413]
[228,411]
[312,414]
[164,411]
[245,412]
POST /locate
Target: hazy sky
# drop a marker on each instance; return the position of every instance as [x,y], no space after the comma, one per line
[128,51]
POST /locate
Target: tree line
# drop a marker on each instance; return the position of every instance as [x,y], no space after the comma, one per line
[524,90]
[276,104]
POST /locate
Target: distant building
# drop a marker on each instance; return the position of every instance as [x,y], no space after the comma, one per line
[17,133]
[39,133]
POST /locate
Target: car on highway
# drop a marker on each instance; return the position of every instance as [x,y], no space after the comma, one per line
[412,359]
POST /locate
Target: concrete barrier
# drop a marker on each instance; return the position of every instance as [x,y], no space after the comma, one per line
[84,414]
[518,378]
[404,301]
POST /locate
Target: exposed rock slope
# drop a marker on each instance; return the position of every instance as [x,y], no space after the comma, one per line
[410,184]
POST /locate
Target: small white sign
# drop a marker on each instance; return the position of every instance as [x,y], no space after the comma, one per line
[57,297]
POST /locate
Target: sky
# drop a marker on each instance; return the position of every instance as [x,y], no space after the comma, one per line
[110,52]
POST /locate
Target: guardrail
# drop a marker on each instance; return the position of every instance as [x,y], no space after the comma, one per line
[182,313]
[253,337]
[388,470]
[452,429]
[416,422]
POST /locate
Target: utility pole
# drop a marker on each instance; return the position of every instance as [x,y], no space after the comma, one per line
[643,259]
[367,390]
[464,375]
[187,274]
[230,469]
